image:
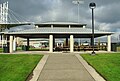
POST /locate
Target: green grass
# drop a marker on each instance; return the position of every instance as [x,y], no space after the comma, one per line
[38,49]
[108,65]
[17,67]
[1,50]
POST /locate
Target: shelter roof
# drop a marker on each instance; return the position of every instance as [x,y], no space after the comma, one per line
[61,23]
[59,31]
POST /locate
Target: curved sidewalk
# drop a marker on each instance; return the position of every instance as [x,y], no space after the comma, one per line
[64,67]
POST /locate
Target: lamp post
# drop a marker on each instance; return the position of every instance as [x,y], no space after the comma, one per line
[92,6]
[78,2]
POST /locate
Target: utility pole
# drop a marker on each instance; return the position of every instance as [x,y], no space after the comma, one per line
[78,2]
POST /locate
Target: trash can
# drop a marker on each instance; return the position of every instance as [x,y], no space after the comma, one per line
[22,47]
[5,49]
[25,48]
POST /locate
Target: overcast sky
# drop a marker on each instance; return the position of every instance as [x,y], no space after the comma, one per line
[107,12]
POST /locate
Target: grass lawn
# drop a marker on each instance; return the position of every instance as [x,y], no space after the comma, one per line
[17,67]
[38,49]
[108,65]
[1,50]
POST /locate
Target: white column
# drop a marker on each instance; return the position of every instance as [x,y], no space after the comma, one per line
[51,26]
[69,26]
[3,40]
[14,43]
[109,43]
[50,43]
[11,44]
[71,43]
[18,39]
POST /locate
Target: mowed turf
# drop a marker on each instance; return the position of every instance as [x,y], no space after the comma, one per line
[17,67]
[1,50]
[108,65]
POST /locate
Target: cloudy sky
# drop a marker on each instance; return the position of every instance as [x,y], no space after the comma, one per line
[107,13]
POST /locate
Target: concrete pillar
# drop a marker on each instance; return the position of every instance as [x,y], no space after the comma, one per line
[3,40]
[8,42]
[14,44]
[69,26]
[66,42]
[50,43]
[51,26]
[79,41]
[109,43]
[71,43]
[11,44]
[18,40]
[28,44]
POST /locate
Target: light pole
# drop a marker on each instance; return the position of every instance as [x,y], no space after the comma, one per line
[92,6]
[78,2]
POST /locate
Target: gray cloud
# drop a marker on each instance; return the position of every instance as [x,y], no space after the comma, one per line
[106,13]
[109,13]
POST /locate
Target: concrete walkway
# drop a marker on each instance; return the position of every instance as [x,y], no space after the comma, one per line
[64,67]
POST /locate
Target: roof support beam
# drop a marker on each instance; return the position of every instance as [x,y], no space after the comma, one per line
[11,44]
[71,43]
[109,43]
[50,43]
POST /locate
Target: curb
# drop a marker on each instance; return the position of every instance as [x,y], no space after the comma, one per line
[39,67]
[91,71]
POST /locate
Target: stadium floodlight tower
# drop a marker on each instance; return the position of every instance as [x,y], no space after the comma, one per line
[92,6]
[78,2]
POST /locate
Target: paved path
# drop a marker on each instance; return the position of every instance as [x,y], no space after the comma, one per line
[64,67]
